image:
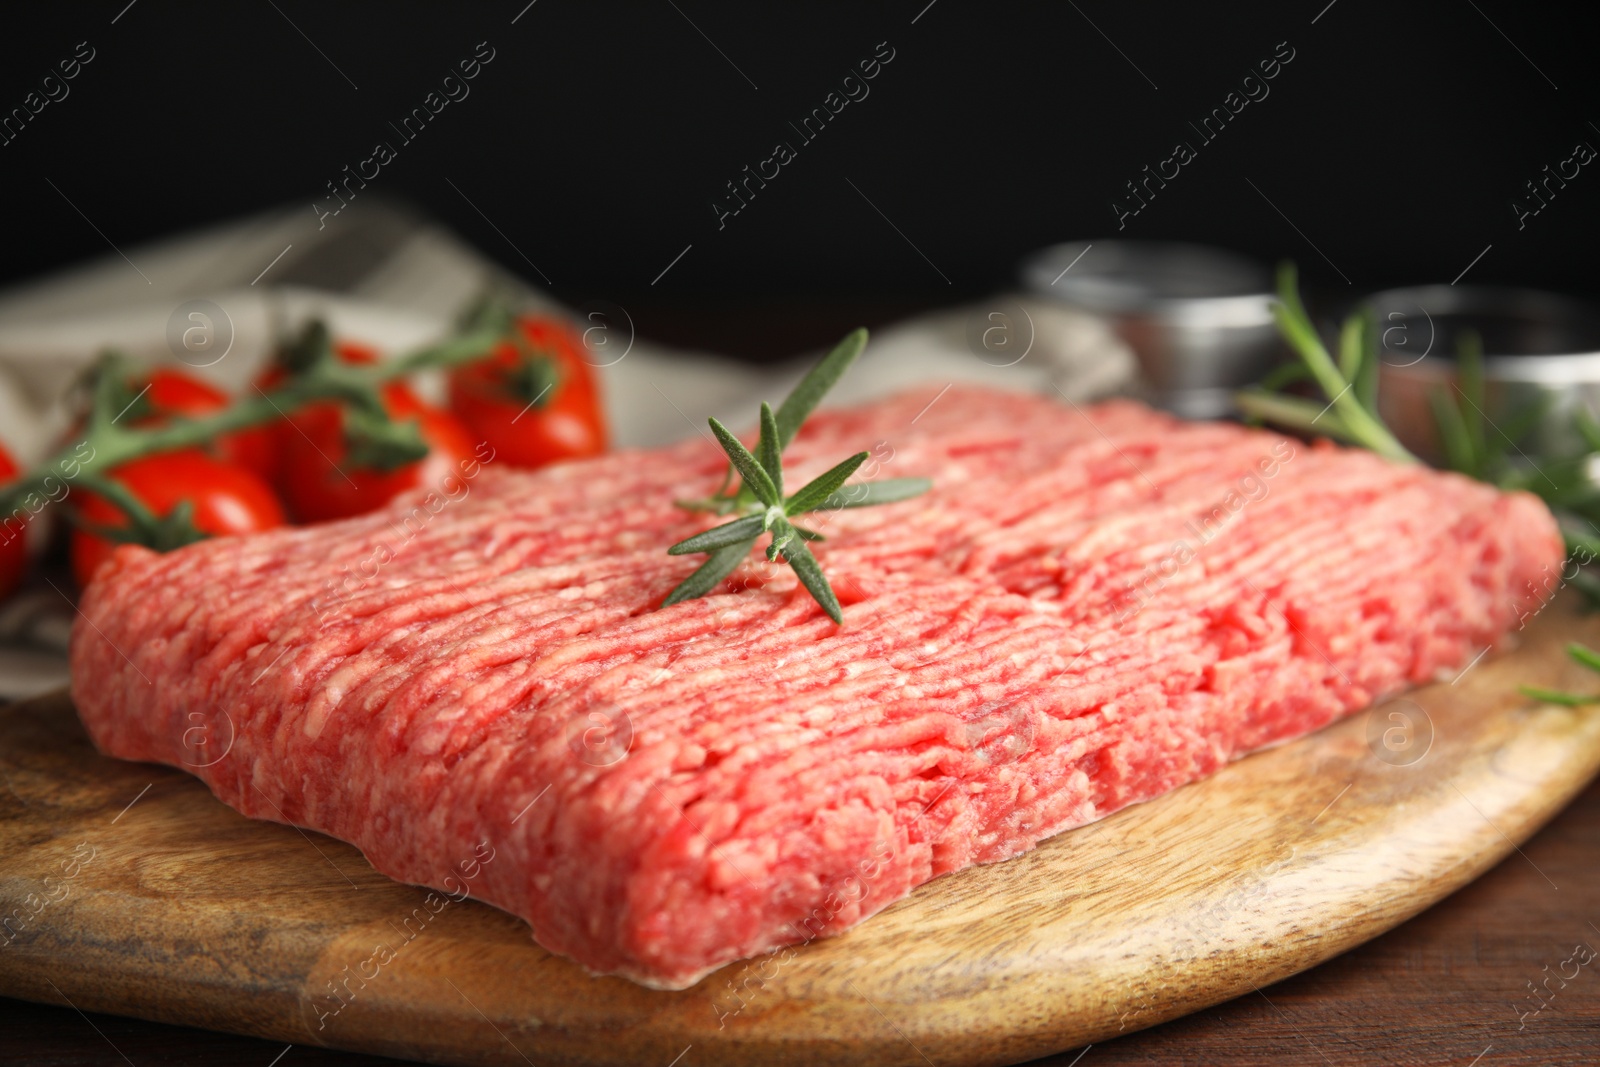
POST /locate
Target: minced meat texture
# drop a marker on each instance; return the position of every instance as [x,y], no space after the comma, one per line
[1091,607]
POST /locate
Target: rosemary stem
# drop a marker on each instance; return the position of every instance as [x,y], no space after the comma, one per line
[1361,424]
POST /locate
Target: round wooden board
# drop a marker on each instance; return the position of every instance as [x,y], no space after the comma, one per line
[186,912]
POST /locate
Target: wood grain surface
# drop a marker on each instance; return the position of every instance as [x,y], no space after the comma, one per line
[164,904]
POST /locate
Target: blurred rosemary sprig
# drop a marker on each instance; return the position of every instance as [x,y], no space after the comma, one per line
[1465,431]
[760,501]
[1350,385]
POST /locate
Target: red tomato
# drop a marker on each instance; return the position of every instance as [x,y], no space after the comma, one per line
[532,414]
[281,431]
[172,392]
[13,535]
[557,339]
[318,485]
[226,500]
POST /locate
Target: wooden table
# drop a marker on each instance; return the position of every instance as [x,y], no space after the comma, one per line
[1441,989]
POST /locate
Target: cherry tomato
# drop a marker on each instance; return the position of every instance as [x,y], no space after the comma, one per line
[225,500]
[281,431]
[172,392]
[13,535]
[534,399]
[318,485]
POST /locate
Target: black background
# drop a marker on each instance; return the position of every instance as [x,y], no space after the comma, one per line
[597,138]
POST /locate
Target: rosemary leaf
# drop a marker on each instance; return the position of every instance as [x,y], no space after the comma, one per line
[749,468]
[1518,424]
[1584,655]
[1282,375]
[1352,349]
[774,546]
[1296,413]
[746,530]
[1366,379]
[1469,366]
[710,574]
[1297,328]
[767,448]
[1289,292]
[1578,541]
[1563,482]
[817,491]
[869,494]
[1556,696]
[803,400]
[810,573]
[1453,434]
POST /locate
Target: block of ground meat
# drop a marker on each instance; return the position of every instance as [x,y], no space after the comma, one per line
[1091,607]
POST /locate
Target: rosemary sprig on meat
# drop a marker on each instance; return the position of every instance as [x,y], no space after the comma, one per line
[759,499]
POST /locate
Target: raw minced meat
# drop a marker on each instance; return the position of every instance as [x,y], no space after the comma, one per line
[1091,607]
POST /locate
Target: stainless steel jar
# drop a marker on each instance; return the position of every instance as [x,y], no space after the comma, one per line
[1199,319]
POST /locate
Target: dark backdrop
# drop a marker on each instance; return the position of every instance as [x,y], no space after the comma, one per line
[1389,149]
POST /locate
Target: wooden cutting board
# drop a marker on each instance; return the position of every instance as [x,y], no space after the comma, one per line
[127,888]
